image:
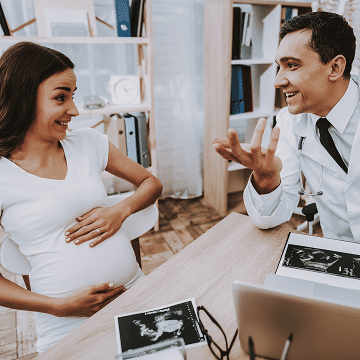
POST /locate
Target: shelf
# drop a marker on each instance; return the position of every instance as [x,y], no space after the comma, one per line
[252,61]
[114,109]
[77,40]
[266,113]
[233,166]
[271,3]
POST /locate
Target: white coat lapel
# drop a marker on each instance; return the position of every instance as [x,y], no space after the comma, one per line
[354,163]
[312,147]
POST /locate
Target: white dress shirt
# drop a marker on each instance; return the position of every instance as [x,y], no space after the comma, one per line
[334,206]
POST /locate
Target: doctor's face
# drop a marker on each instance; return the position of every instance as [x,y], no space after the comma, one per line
[302,77]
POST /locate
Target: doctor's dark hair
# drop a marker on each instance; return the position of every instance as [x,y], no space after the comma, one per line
[331,35]
[23,67]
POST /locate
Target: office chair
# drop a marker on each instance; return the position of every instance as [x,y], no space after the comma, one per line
[15,262]
[309,210]
[311,213]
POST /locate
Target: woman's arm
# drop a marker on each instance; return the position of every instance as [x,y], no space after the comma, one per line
[85,301]
[108,220]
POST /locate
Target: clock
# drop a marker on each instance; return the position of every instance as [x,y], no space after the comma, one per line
[125,89]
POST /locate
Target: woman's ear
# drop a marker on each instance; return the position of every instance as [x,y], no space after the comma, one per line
[338,64]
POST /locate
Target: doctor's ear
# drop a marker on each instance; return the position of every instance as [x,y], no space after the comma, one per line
[338,64]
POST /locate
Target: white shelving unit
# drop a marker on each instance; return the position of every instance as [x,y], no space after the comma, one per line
[221,177]
[144,64]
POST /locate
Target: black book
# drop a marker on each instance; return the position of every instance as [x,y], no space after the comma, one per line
[237,37]
[136,17]
[247,88]
[3,22]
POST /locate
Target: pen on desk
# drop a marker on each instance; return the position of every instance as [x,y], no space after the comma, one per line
[286,347]
[251,348]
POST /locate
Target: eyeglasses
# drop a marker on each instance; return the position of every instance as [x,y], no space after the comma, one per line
[215,349]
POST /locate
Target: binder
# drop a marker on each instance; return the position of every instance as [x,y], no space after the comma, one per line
[131,135]
[248,30]
[122,12]
[115,131]
[237,30]
[241,90]
[142,140]
[288,14]
[3,22]
[136,17]
[247,87]
[237,105]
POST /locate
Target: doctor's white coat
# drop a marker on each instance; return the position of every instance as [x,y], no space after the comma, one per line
[339,206]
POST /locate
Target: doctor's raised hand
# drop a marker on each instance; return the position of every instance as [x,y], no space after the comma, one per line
[265,164]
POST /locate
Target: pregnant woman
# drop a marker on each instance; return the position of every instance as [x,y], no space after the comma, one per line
[53,203]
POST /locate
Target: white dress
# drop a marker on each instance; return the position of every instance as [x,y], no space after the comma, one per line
[36,211]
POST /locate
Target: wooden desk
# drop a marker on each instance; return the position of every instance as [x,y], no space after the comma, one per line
[234,249]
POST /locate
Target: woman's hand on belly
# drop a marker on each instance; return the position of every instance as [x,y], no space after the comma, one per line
[88,300]
[97,225]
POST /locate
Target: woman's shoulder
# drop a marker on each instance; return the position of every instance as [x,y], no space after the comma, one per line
[84,132]
[84,135]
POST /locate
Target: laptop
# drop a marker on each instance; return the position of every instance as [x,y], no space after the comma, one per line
[324,319]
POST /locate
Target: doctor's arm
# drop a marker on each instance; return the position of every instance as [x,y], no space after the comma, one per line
[272,200]
[108,220]
[265,165]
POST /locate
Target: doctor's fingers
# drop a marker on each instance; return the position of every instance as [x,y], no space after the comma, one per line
[224,152]
[237,149]
[255,145]
[275,135]
[223,141]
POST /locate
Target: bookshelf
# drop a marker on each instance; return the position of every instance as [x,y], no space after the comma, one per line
[144,64]
[220,176]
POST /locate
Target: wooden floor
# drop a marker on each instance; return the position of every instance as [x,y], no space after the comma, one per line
[181,222]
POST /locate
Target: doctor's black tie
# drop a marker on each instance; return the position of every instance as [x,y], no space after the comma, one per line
[328,143]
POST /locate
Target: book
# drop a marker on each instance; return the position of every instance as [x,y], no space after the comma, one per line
[237,34]
[248,30]
[237,105]
[136,17]
[122,12]
[247,88]
[144,328]
[131,135]
[318,259]
[66,22]
[287,13]
[142,139]
[115,130]
[3,22]
[241,90]
[245,25]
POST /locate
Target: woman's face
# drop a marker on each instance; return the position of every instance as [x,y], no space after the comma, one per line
[54,107]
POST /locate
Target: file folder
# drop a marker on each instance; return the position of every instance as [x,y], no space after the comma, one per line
[115,130]
[237,32]
[131,135]
[122,12]
[237,105]
[142,139]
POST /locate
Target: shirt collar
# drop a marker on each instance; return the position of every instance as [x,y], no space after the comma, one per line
[340,114]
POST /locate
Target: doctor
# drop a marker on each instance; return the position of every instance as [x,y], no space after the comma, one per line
[317,134]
